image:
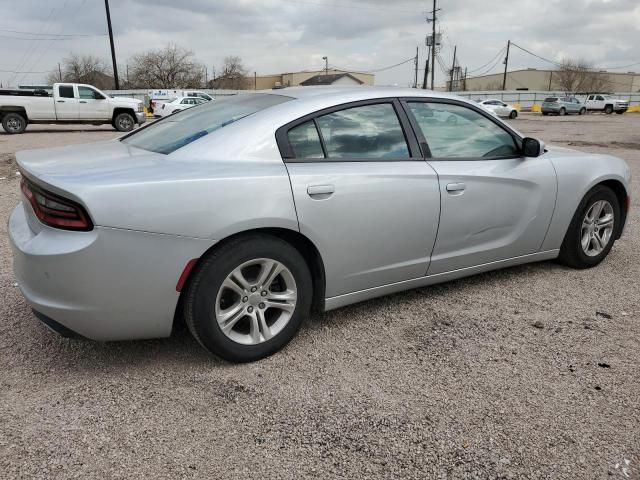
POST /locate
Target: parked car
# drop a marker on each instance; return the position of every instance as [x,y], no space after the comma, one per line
[500,108]
[159,97]
[563,106]
[244,214]
[606,104]
[68,103]
[180,103]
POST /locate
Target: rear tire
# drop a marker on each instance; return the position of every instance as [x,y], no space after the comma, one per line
[580,248]
[545,113]
[582,111]
[124,122]
[513,114]
[608,109]
[236,315]
[14,123]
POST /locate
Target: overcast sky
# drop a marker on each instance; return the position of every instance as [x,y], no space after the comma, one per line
[273,36]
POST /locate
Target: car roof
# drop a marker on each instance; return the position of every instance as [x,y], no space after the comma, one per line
[362,92]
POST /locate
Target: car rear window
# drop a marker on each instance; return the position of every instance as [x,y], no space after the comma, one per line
[551,100]
[173,132]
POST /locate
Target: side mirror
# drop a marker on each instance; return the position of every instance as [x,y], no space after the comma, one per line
[532,147]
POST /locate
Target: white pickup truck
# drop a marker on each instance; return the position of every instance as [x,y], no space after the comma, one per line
[68,103]
[606,103]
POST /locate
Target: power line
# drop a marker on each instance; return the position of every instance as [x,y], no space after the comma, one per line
[55,34]
[497,56]
[36,39]
[375,70]
[18,71]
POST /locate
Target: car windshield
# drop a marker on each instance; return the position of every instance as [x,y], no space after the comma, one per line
[175,131]
[551,99]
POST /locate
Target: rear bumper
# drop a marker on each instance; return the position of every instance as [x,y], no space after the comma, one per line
[106,284]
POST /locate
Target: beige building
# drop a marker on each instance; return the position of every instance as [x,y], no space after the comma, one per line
[292,79]
[533,79]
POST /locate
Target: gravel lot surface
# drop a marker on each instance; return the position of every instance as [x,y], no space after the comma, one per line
[510,374]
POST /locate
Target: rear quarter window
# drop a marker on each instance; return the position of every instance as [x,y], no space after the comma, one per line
[173,132]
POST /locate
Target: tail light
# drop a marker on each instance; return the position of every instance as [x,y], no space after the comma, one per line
[54,210]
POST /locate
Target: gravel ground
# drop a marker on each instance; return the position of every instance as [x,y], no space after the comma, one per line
[510,374]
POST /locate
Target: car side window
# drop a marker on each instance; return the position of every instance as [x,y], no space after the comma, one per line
[88,93]
[364,132]
[590,97]
[305,141]
[65,91]
[455,131]
[599,97]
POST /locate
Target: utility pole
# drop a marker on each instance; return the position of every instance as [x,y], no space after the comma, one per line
[326,65]
[433,47]
[255,80]
[206,77]
[59,72]
[464,82]
[113,49]
[426,70]
[506,64]
[415,80]
[453,68]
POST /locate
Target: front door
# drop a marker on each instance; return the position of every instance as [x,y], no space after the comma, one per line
[496,204]
[92,104]
[363,195]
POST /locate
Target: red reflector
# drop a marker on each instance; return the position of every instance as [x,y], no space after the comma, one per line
[54,210]
[185,273]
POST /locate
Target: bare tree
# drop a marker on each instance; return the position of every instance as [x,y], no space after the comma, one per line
[580,76]
[169,67]
[233,76]
[83,69]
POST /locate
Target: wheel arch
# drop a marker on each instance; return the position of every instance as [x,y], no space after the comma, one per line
[4,109]
[623,200]
[300,242]
[118,110]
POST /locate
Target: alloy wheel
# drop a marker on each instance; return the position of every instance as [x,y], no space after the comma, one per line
[597,228]
[256,301]
[14,125]
[125,122]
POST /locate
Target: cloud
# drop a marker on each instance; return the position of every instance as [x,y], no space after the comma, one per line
[288,35]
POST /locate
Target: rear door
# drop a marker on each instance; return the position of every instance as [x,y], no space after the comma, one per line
[66,102]
[496,204]
[92,105]
[363,193]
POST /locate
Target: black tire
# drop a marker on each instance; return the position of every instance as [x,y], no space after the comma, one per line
[582,111]
[14,123]
[207,279]
[571,252]
[513,114]
[124,122]
[620,112]
[562,112]
[608,109]
[545,113]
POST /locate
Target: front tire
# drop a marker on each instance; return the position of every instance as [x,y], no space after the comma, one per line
[582,111]
[248,299]
[14,123]
[124,122]
[513,114]
[562,112]
[591,233]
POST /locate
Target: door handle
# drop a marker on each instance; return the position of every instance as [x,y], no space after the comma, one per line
[320,191]
[60,101]
[82,101]
[456,188]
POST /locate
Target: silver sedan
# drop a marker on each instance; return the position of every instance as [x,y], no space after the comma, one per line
[242,216]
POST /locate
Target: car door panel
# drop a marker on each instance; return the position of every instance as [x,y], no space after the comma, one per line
[374,223]
[503,212]
[67,107]
[495,204]
[363,194]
